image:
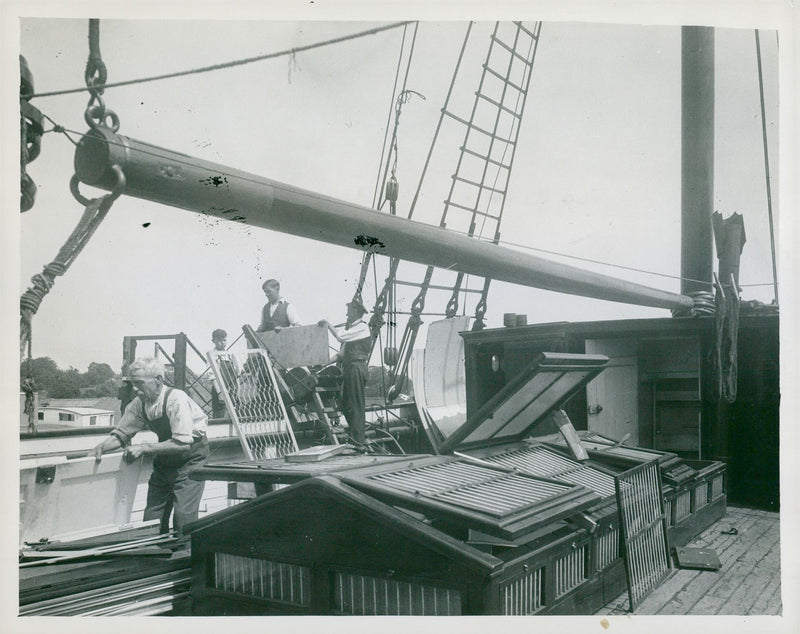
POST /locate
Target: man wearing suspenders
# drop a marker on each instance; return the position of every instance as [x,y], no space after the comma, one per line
[180,425]
[356,340]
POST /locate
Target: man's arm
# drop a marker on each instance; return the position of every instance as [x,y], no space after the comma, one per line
[292,316]
[120,436]
[167,447]
[324,323]
[111,443]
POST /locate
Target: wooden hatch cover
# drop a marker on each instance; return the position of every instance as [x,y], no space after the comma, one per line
[510,415]
[498,501]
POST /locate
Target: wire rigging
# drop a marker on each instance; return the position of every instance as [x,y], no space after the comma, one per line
[378,179]
[766,166]
[231,64]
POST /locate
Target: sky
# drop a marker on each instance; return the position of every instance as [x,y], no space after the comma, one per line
[596,175]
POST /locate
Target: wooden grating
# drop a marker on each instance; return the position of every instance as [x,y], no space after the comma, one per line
[365,594]
[541,461]
[499,501]
[644,531]
[247,383]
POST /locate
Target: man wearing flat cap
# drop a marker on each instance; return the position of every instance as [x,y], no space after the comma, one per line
[356,340]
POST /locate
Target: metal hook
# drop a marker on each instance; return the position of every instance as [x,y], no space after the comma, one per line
[116,192]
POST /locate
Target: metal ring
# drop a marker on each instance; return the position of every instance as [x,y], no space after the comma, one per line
[74,182]
[116,192]
[110,114]
[94,113]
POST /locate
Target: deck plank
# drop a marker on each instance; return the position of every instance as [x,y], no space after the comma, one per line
[747,583]
[761,597]
[702,595]
[670,598]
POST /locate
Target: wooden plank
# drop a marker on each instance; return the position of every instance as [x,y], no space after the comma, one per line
[770,567]
[689,600]
[298,346]
[715,597]
[752,580]
[664,599]
[774,605]
[682,591]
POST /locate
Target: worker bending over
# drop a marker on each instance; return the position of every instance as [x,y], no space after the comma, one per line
[180,425]
[356,341]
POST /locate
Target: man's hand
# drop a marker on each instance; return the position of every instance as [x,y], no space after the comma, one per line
[97,452]
[277,329]
[133,453]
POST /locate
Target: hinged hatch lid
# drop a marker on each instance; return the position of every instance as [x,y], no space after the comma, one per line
[511,414]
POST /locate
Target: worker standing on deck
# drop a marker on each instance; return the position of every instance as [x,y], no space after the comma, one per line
[180,425]
[227,368]
[277,312]
[356,340]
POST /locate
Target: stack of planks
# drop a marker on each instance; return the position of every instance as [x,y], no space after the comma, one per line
[137,577]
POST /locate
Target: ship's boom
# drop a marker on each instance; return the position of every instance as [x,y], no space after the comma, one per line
[178,180]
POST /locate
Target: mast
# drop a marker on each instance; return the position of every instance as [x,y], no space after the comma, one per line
[697,157]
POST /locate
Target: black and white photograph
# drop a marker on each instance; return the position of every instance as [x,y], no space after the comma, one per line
[377,312]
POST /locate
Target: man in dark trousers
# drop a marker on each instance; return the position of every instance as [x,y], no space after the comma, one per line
[277,312]
[180,425]
[356,341]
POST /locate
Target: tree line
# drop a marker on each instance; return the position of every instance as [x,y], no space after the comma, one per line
[98,381]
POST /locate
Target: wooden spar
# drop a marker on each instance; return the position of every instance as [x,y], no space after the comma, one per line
[159,175]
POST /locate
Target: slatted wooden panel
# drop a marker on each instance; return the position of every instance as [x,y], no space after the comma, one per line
[497,500]
[252,395]
[542,461]
[273,580]
[644,530]
[523,595]
[362,594]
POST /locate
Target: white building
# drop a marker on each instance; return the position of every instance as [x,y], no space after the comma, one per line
[76,416]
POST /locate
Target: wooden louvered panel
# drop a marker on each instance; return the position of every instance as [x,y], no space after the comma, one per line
[499,501]
[524,595]
[361,594]
[644,532]
[542,461]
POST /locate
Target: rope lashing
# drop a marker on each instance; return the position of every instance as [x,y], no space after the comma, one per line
[42,283]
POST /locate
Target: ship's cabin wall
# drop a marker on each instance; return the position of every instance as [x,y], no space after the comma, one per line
[659,389]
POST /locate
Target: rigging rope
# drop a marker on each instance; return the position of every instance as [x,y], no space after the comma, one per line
[766,166]
[95,211]
[379,182]
[231,64]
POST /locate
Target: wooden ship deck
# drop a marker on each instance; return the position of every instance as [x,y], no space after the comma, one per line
[748,583]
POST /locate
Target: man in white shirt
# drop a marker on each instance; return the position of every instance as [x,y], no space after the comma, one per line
[180,425]
[277,312]
[356,340]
